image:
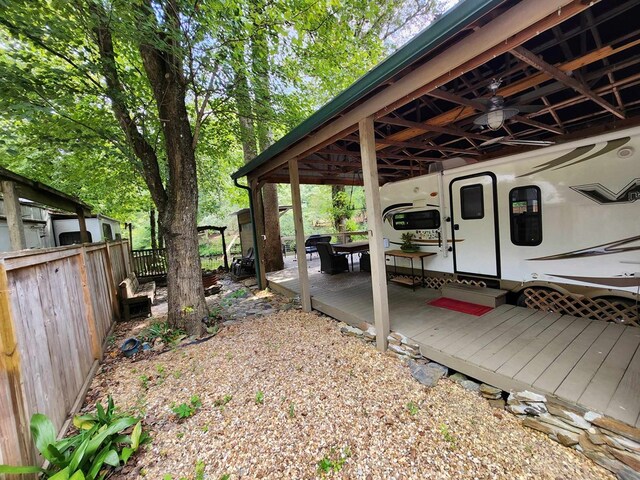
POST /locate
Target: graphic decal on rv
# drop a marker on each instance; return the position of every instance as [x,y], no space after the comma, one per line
[564,160]
[618,281]
[602,195]
[391,210]
[604,249]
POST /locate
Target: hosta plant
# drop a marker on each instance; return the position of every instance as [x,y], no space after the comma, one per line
[101,444]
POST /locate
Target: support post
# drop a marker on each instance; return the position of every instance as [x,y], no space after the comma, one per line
[376,242]
[224,249]
[84,236]
[256,219]
[303,273]
[14,216]
[96,348]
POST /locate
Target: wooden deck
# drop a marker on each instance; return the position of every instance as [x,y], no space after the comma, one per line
[593,365]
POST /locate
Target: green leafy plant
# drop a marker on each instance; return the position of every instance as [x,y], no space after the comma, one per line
[292,410]
[186,410]
[447,435]
[334,461]
[259,397]
[199,474]
[144,381]
[162,330]
[407,243]
[413,408]
[100,445]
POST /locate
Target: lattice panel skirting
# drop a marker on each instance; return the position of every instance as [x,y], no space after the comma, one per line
[437,282]
[579,306]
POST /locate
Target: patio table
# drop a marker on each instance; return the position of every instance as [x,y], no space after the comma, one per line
[351,248]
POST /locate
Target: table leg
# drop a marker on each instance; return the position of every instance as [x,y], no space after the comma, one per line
[422,266]
[413,285]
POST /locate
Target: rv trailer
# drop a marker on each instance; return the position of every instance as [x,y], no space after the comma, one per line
[100,228]
[563,218]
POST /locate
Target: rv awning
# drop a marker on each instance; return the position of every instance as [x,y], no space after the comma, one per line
[41,193]
[562,69]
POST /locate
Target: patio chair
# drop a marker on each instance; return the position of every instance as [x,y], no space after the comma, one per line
[244,266]
[331,262]
[310,245]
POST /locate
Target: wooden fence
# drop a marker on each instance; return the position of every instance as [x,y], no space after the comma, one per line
[149,262]
[57,307]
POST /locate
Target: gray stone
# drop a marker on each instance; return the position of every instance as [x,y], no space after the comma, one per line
[618,427]
[497,403]
[397,349]
[567,439]
[470,385]
[457,377]
[528,396]
[629,459]
[625,473]
[569,417]
[512,400]
[619,442]
[524,409]
[490,390]
[591,416]
[555,421]
[426,374]
[351,331]
[437,366]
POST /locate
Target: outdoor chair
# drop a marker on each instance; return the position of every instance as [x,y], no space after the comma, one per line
[311,244]
[244,266]
[331,262]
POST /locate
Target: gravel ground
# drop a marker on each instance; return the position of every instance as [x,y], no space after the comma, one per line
[280,394]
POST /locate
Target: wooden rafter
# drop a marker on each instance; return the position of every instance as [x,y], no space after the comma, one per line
[554,72]
[458,132]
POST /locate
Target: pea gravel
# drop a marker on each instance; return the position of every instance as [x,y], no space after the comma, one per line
[327,400]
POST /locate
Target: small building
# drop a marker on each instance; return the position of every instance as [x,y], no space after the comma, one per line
[245,228]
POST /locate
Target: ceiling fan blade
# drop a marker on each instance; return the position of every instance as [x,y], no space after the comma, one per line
[529,108]
[533,143]
[493,141]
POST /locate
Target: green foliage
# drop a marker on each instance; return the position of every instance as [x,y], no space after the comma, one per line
[292,410]
[407,242]
[413,408]
[447,435]
[186,410]
[100,445]
[163,331]
[334,461]
[221,402]
[259,397]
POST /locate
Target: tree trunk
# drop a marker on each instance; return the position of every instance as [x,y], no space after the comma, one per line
[152,226]
[272,246]
[177,204]
[338,210]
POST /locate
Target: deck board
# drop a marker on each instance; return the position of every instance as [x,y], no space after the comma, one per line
[577,380]
[588,364]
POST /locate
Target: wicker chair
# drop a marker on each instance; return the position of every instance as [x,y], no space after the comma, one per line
[331,262]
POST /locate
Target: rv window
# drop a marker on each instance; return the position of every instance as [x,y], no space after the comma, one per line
[106,232]
[423,220]
[472,202]
[72,238]
[526,216]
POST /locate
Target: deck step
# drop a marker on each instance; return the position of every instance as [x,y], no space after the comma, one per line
[489,297]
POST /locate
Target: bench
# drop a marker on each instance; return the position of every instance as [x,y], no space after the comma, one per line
[136,299]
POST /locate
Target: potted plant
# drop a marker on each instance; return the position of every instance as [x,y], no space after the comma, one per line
[407,243]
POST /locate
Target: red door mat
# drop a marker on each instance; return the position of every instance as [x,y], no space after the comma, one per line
[460,306]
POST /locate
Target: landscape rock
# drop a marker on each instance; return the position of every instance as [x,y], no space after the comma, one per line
[591,416]
[427,375]
[437,366]
[527,396]
[621,443]
[525,409]
[555,421]
[536,425]
[457,377]
[567,439]
[512,400]
[470,385]
[499,403]
[569,416]
[589,446]
[489,391]
[397,349]
[618,427]
[351,331]
[625,473]
[627,458]
[610,464]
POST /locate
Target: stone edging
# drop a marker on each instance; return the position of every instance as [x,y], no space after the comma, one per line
[610,443]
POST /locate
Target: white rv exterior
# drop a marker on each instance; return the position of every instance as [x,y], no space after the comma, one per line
[565,217]
[66,229]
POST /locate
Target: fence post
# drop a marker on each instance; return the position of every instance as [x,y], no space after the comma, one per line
[112,281]
[96,348]
[15,448]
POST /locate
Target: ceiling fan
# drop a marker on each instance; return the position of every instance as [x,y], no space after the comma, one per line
[497,112]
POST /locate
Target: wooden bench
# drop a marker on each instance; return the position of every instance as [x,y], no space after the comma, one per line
[136,299]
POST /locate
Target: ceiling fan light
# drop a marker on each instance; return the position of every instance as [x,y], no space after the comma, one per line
[495,119]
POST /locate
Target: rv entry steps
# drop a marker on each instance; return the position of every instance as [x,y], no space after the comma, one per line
[489,297]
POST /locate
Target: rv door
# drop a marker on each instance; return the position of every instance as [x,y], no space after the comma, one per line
[475,225]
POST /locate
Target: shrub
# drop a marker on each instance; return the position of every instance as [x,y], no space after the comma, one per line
[100,445]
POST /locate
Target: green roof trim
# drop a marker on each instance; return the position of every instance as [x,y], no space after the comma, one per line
[437,33]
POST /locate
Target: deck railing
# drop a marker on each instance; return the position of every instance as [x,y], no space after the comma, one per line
[57,307]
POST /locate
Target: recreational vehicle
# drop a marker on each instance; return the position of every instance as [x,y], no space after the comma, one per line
[564,218]
[100,228]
